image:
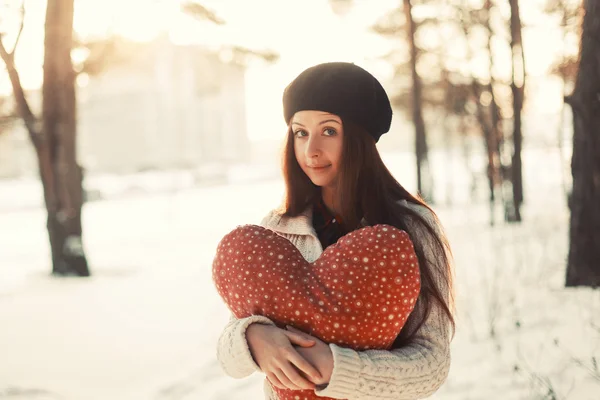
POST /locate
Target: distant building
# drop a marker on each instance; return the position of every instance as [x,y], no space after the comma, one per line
[155,106]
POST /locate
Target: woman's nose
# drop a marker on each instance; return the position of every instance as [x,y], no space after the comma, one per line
[312,147]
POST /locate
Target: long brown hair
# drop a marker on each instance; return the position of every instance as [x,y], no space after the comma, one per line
[366,189]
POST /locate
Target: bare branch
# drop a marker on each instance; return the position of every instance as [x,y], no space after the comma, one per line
[22,106]
[6,56]
[198,11]
[243,53]
[20,26]
[9,55]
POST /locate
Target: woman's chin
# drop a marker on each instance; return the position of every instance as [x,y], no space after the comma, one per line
[321,182]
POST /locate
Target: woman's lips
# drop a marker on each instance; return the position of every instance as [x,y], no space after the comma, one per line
[319,167]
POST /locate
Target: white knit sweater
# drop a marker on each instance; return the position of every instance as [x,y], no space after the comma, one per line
[412,372]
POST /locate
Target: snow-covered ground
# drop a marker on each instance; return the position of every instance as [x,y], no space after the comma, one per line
[145,325]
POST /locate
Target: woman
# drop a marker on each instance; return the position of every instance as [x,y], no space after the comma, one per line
[336,182]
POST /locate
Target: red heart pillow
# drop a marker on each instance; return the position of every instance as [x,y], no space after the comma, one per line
[358,294]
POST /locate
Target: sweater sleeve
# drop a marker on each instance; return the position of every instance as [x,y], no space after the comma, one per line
[411,372]
[233,352]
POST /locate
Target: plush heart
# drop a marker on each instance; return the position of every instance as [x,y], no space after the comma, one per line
[358,294]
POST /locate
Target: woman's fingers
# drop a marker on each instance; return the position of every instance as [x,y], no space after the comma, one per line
[299,339]
[293,329]
[299,381]
[285,381]
[303,365]
[275,381]
[274,352]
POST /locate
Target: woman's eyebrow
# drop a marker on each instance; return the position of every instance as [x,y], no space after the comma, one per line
[320,123]
[329,120]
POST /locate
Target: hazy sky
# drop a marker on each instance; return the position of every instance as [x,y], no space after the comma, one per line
[303,32]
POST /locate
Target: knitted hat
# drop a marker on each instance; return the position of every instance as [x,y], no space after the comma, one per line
[343,89]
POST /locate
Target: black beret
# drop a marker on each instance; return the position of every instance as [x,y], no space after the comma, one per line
[343,89]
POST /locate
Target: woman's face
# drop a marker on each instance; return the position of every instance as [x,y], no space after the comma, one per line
[318,138]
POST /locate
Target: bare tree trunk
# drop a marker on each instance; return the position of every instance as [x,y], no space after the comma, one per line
[23,109]
[497,130]
[584,253]
[486,123]
[64,197]
[54,139]
[417,110]
[518,88]
[488,136]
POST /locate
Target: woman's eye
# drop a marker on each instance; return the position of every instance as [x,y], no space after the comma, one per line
[300,133]
[330,132]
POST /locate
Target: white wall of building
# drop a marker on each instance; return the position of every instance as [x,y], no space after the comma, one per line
[165,107]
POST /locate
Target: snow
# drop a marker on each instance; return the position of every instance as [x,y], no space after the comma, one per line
[145,325]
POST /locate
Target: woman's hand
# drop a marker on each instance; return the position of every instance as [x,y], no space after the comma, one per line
[319,355]
[274,352]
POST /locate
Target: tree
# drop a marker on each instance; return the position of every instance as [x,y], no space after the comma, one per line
[518,92]
[487,115]
[583,267]
[410,94]
[495,140]
[565,67]
[54,137]
[417,103]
